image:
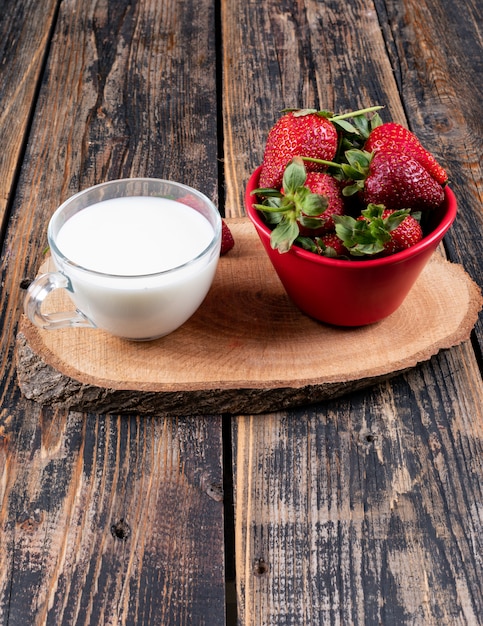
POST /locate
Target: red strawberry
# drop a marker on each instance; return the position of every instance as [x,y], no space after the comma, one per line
[328,244]
[408,233]
[192,201]
[398,181]
[324,185]
[332,245]
[400,234]
[227,241]
[297,133]
[394,137]
[295,210]
[378,231]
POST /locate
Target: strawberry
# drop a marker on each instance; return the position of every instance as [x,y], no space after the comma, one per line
[378,231]
[298,210]
[328,244]
[227,241]
[394,137]
[407,234]
[297,133]
[332,245]
[191,200]
[325,185]
[391,178]
[398,181]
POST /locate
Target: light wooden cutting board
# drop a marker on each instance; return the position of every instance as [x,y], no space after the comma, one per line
[247,349]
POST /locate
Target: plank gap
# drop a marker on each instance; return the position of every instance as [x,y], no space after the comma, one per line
[220,138]
[229,523]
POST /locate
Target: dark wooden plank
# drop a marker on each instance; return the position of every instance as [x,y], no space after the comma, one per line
[438,64]
[111,520]
[24,36]
[129,90]
[288,54]
[364,510]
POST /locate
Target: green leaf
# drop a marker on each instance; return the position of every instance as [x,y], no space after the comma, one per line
[330,252]
[324,113]
[368,249]
[362,124]
[350,190]
[266,192]
[373,211]
[294,176]
[302,112]
[359,159]
[347,144]
[274,203]
[368,236]
[392,221]
[346,126]
[379,234]
[283,235]
[345,227]
[353,173]
[307,243]
[376,121]
[311,222]
[300,195]
[273,218]
[360,237]
[267,208]
[314,204]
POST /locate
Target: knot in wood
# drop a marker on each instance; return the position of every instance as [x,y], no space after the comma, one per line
[215,492]
[25,283]
[121,530]
[260,567]
[30,521]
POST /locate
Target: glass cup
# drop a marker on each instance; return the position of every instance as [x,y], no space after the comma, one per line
[137,256]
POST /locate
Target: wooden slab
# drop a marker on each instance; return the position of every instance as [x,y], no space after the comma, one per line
[247,349]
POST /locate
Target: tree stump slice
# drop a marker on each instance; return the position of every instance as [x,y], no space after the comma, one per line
[247,349]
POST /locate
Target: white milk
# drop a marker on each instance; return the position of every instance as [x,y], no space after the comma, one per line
[134,236]
[132,240]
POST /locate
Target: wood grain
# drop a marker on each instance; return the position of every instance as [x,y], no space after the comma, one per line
[296,54]
[103,523]
[246,316]
[380,521]
[363,510]
[439,69]
[107,520]
[24,37]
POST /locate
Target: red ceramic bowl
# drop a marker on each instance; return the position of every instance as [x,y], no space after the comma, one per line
[350,293]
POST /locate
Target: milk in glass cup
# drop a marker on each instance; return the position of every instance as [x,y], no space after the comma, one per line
[137,256]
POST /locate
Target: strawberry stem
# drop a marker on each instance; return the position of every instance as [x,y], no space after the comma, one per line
[345,116]
[322,162]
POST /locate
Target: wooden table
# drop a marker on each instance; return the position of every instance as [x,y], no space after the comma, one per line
[363,510]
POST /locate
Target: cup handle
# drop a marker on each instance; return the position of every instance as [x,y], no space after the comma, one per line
[38,291]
